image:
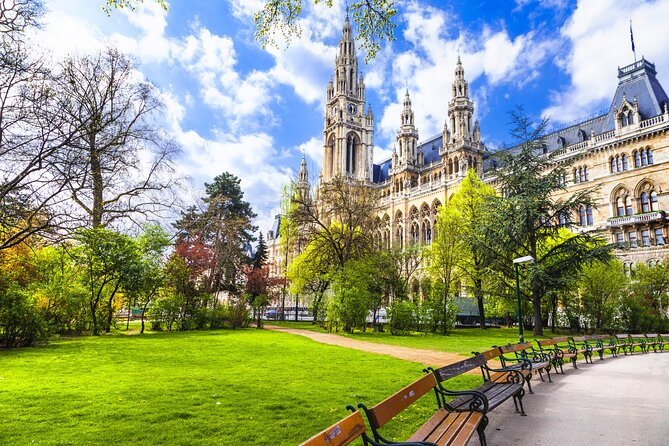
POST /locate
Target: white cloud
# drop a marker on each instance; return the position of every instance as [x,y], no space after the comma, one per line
[600,40]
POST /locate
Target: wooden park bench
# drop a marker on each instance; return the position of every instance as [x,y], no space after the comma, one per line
[628,342]
[526,358]
[606,342]
[558,352]
[653,341]
[504,374]
[444,428]
[584,347]
[496,392]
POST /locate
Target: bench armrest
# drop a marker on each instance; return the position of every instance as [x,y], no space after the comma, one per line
[478,403]
[526,362]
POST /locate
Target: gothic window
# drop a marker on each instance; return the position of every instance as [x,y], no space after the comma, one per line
[562,219]
[450,167]
[653,201]
[645,237]
[456,167]
[625,165]
[623,120]
[581,216]
[637,158]
[585,174]
[619,164]
[644,158]
[613,165]
[649,155]
[589,217]
[620,207]
[414,233]
[631,237]
[352,144]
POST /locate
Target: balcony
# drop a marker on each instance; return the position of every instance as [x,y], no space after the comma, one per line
[629,220]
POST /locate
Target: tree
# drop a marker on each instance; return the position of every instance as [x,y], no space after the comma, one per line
[215,236]
[444,255]
[374,19]
[469,201]
[259,287]
[110,262]
[649,289]
[353,294]
[119,163]
[260,256]
[533,207]
[152,243]
[30,133]
[601,286]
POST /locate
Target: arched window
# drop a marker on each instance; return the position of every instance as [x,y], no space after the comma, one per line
[628,206]
[624,120]
[586,177]
[650,155]
[620,207]
[590,219]
[645,202]
[613,165]
[644,159]
[575,177]
[637,159]
[625,165]
[619,164]
[581,216]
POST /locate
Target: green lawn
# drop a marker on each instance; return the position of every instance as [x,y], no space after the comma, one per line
[460,340]
[199,388]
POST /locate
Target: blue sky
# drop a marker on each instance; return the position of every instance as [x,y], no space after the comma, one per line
[236,107]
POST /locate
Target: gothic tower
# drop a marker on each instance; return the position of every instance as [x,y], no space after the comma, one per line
[407,136]
[348,133]
[462,145]
[302,188]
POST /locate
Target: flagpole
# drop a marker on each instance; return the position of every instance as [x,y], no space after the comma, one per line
[632,39]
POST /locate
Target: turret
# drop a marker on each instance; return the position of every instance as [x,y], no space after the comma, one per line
[407,134]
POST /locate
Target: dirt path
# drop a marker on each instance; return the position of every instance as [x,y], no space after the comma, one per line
[426,357]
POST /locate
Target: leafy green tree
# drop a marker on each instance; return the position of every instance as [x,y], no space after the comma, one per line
[110,261]
[260,256]
[444,257]
[469,201]
[353,297]
[152,244]
[601,286]
[59,290]
[528,213]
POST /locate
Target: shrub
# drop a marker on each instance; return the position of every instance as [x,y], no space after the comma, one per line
[402,317]
[21,323]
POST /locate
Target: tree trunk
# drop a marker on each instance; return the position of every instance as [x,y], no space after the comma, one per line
[96,175]
[111,313]
[538,323]
[478,292]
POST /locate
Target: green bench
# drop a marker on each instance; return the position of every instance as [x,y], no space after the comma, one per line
[524,353]
[559,350]
[496,392]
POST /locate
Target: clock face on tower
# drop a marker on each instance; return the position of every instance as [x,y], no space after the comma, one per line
[352,109]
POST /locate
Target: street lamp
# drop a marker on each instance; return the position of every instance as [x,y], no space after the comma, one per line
[516,262]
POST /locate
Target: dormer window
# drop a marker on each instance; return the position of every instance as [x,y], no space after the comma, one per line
[582,136]
[560,142]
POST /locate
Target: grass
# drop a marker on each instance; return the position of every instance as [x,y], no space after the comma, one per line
[461,340]
[195,388]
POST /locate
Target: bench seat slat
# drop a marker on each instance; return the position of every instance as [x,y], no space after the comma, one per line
[448,428]
[396,403]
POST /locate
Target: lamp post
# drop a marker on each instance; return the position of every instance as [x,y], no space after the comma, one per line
[516,262]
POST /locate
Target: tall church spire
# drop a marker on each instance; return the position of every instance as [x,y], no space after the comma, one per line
[348,130]
[303,180]
[407,135]
[461,108]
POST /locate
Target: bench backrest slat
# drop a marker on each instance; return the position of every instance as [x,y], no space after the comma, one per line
[491,354]
[622,336]
[511,348]
[458,368]
[546,342]
[339,434]
[638,336]
[581,338]
[387,409]
[561,339]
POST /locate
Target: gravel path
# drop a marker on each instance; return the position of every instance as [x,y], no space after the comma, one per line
[426,357]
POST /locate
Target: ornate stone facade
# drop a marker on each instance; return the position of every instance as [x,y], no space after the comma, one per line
[625,152]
